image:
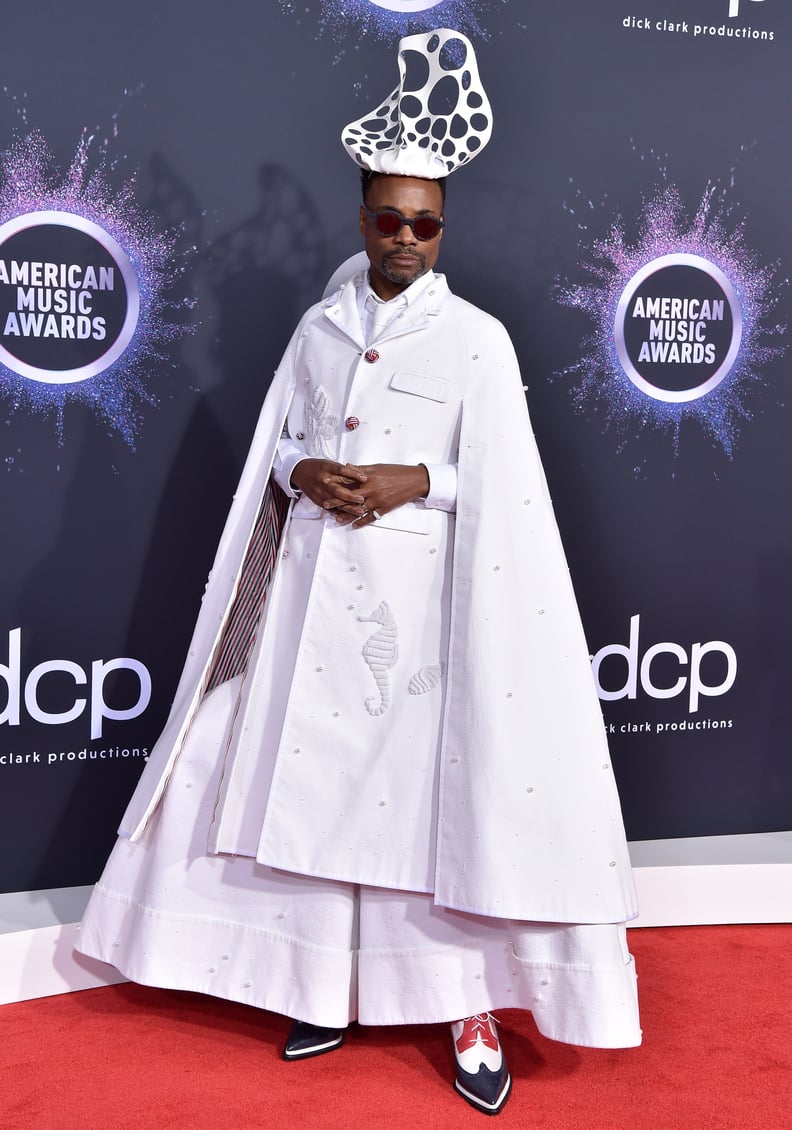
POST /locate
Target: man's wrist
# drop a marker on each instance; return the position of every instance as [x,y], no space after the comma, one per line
[290,466]
[442,487]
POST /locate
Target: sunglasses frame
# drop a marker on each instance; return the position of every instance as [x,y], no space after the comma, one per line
[404,220]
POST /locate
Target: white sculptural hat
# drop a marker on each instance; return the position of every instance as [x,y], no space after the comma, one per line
[436,120]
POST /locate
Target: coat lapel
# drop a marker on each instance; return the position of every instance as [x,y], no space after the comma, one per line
[341,310]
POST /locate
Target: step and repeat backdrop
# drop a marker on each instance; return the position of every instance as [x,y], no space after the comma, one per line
[173,194]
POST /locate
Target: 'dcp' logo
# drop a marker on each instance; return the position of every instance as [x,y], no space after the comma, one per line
[69,299]
[406,5]
[678,327]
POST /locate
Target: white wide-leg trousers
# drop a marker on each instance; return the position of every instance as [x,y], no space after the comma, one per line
[166,913]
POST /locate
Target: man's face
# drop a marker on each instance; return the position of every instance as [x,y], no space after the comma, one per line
[398,260]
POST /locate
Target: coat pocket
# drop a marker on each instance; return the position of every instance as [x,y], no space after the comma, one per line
[420,384]
[408,519]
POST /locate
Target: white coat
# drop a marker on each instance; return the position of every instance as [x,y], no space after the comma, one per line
[525,812]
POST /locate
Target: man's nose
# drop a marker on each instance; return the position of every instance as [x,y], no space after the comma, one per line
[405,234]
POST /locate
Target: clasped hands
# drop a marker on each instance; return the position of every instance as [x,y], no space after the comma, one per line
[354,493]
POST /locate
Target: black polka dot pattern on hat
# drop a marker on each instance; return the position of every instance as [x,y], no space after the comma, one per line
[416,70]
[439,106]
[453,54]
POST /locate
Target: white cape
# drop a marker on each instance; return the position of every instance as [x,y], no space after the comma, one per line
[528,818]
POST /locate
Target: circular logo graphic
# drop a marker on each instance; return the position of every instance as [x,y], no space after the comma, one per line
[69,299]
[406,5]
[678,328]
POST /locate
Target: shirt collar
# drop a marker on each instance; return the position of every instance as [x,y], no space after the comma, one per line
[402,300]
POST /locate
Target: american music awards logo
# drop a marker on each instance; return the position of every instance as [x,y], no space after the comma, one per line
[678,328]
[69,299]
[681,318]
[391,19]
[84,281]
[406,5]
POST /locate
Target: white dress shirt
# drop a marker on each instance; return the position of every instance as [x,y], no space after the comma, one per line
[375,315]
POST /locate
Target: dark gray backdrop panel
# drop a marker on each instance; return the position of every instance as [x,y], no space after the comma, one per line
[232,126]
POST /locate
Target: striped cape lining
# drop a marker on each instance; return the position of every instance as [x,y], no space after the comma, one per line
[236,643]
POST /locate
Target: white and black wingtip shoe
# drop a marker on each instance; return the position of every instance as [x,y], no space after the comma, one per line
[482,1077]
[305,1040]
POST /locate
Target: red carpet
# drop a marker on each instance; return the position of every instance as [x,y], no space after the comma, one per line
[716,1013]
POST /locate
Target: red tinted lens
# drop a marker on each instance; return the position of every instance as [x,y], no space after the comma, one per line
[426,227]
[388,223]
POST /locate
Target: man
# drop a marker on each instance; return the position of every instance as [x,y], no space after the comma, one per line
[387,796]
[395,263]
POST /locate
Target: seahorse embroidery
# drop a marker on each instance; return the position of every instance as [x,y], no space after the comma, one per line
[320,425]
[380,651]
[426,679]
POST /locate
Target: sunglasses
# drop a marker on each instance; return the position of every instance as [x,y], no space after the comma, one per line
[389,222]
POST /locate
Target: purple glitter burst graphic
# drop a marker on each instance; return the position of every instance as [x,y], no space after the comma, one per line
[30,181]
[609,263]
[392,19]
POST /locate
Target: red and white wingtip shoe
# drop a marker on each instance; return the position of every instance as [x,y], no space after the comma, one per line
[482,1075]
